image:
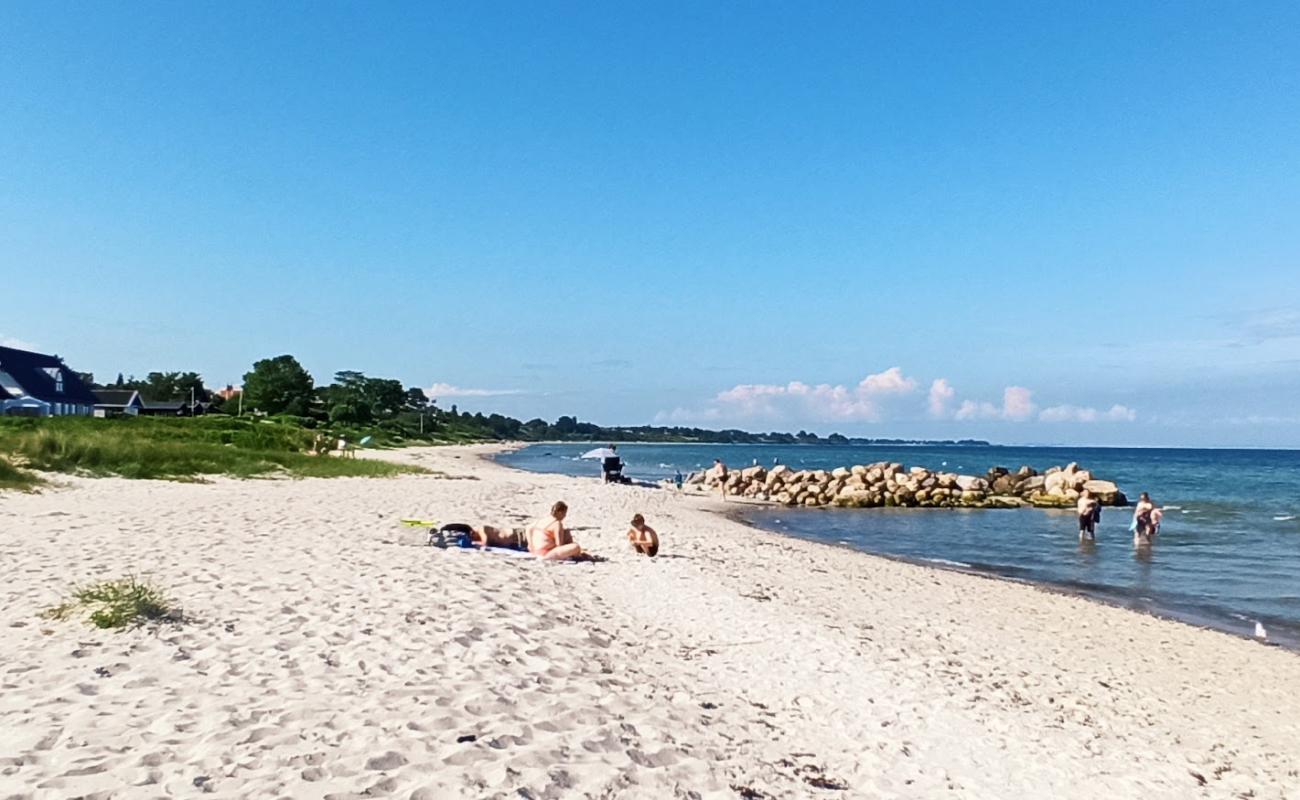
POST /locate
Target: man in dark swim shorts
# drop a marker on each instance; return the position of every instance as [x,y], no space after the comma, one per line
[1088,508]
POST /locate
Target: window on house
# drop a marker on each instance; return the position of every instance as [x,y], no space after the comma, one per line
[57,375]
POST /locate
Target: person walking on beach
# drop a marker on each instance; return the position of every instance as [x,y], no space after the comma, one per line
[719,473]
[643,537]
[1089,510]
[549,539]
[1145,520]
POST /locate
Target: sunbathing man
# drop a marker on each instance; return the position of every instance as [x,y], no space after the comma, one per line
[643,537]
[549,539]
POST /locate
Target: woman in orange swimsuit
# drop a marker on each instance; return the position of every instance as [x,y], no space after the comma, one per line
[549,539]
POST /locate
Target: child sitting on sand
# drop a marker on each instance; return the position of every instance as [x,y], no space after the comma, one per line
[643,537]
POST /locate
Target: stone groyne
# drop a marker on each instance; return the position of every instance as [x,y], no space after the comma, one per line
[891,484]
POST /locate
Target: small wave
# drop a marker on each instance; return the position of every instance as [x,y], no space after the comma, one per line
[1284,518]
[1190,511]
[1173,508]
[665,466]
[947,562]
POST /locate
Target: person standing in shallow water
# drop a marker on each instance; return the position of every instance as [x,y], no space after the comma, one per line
[1145,520]
[1087,508]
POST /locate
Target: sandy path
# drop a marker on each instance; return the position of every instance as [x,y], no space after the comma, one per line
[329,654]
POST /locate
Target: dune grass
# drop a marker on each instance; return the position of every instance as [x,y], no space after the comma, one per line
[176,449]
[115,604]
[12,477]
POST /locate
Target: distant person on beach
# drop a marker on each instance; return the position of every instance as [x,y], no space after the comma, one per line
[643,537]
[719,473]
[1088,508]
[1146,520]
[611,467]
[488,536]
[549,539]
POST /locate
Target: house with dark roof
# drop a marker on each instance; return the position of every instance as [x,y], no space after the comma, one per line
[37,385]
[117,402]
[167,408]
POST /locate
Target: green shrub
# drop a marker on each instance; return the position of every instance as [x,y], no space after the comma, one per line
[177,449]
[115,604]
[12,477]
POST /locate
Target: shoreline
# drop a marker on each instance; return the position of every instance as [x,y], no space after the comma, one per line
[326,650]
[737,509]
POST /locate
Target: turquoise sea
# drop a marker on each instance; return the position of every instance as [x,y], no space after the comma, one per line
[1228,555]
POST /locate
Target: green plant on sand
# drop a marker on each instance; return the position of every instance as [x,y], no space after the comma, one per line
[115,604]
[177,449]
[12,477]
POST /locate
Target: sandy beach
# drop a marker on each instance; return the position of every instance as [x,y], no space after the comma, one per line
[327,653]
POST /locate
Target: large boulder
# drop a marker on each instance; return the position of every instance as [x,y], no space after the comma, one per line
[1005,484]
[1050,501]
[1106,492]
[840,472]
[1031,485]
[754,473]
[777,474]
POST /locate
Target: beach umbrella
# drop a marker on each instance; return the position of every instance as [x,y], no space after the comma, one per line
[600,452]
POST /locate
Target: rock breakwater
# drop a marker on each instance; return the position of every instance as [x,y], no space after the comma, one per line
[889,484]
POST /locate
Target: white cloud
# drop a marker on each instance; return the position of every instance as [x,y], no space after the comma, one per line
[17,344]
[877,397]
[891,381]
[1017,405]
[1069,413]
[970,409]
[440,390]
[820,402]
[941,394]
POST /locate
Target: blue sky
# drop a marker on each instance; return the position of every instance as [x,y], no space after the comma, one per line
[1025,222]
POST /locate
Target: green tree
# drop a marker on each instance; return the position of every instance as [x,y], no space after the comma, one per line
[370,398]
[416,399]
[278,386]
[173,386]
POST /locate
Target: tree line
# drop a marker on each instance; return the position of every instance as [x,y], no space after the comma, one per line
[282,386]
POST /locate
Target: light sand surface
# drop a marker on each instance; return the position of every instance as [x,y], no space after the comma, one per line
[327,653]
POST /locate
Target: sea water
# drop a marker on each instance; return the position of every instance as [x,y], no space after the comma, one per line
[1228,553]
